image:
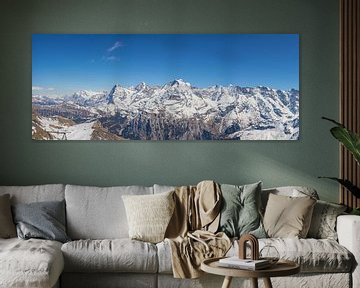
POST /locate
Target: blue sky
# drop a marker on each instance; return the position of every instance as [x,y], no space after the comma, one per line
[65,63]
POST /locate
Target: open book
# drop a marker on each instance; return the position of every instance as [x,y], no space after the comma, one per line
[236,262]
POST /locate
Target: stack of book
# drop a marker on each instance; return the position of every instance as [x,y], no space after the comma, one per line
[248,264]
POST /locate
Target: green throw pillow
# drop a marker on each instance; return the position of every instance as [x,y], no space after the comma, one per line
[240,213]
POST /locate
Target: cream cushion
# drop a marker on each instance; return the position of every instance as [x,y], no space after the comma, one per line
[287,216]
[149,215]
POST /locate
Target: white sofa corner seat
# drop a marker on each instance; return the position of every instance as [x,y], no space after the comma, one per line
[101,255]
[348,229]
[34,262]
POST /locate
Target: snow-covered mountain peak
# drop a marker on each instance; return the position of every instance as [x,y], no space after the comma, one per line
[141,86]
[180,83]
[87,94]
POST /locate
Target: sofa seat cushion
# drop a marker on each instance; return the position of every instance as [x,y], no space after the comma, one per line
[115,255]
[30,263]
[313,255]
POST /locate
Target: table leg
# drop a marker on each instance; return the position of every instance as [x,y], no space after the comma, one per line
[227,282]
[254,282]
[267,283]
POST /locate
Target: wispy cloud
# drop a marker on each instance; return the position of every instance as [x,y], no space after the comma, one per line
[39,88]
[110,58]
[115,46]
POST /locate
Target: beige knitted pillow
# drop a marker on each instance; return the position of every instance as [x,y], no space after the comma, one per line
[149,215]
[288,217]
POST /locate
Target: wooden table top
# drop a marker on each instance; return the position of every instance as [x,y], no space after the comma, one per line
[281,268]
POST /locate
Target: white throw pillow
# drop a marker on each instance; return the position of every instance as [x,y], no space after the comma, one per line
[149,215]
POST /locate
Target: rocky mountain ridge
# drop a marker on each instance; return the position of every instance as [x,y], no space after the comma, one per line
[179,111]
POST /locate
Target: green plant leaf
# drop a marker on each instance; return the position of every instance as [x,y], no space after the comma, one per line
[347,184]
[348,138]
[355,211]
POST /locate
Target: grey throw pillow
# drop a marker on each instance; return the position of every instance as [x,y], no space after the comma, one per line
[44,220]
[7,227]
[240,213]
[323,222]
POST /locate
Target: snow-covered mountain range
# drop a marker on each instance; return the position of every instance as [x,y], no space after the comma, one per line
[178,111]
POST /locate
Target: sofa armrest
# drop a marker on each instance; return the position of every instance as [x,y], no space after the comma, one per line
[348,230]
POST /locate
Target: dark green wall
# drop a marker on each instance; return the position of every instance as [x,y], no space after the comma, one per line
[24,161]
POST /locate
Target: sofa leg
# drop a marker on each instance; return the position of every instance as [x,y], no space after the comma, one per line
[254,282]
[227,282]
[267,283]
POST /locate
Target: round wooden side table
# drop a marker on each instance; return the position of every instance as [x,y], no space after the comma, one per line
[281,268]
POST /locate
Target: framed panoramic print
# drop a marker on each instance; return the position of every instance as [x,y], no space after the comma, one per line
[165,87]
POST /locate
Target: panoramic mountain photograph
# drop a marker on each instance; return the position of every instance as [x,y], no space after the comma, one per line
[165,87]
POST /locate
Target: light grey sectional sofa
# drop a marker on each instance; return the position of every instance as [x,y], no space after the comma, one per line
[101,254]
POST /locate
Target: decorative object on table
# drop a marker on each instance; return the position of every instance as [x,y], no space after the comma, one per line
[254,246]
[236,87]
[248,264]
[241,261]
[269,253]
[351,142]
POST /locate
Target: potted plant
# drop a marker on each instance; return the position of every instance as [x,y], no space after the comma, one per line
[351,141]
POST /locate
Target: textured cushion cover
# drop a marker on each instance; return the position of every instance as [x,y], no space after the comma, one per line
[117,255]
[32,263]
[7,226]
[323,223]
[240,210]
[44,220]
[149,215]
[98,212]
[287,216]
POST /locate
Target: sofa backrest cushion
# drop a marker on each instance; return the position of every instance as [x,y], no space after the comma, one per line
[98,212]
[36,193]
[163,188]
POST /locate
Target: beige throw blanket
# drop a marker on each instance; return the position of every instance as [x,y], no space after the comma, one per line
[192,227]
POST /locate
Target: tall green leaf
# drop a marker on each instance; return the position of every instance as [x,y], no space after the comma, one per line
[348,138]
[347,184]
